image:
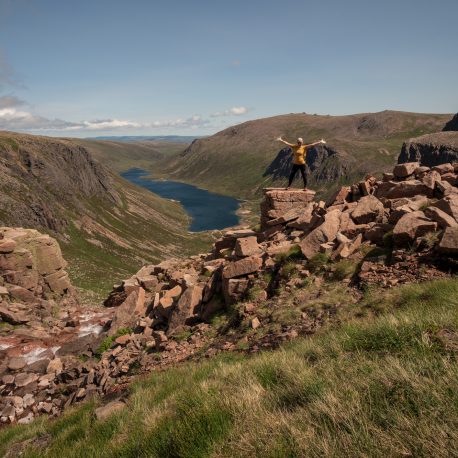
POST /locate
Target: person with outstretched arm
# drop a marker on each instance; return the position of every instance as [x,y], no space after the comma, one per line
[299,154]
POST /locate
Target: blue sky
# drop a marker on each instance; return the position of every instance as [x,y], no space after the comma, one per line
[86,68]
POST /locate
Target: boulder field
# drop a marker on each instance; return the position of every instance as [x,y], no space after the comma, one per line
[397,229]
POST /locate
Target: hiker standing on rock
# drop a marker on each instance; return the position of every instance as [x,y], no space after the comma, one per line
[299,154]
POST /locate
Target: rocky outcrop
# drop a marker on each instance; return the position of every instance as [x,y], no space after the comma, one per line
[281,206]
[451,125]
[412,206]
[32,266]
[325,164]
[431,150]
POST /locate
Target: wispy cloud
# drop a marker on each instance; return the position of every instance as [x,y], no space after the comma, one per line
[13,118]
[192,122]
[234,111]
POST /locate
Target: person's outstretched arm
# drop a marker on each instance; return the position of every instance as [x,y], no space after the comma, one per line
[316,143]
[280,139]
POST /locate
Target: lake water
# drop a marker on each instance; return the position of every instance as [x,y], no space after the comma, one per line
[207,209]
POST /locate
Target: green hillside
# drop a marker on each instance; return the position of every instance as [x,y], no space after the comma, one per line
[382,383]
[234,160]
[107,227]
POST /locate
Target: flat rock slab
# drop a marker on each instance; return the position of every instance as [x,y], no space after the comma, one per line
[242,267]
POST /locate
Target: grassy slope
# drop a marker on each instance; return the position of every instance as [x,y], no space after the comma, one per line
[370,142]
[149,228]
[384,383]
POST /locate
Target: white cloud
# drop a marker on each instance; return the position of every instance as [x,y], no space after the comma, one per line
[192,122]
[234,111]
[11,118]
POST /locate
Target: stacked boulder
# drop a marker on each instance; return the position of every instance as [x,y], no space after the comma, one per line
[38,313]
[31,265]
[407,205]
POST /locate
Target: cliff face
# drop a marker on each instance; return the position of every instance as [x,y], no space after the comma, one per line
[325,164]
[431,150]
[42,177]
[452,125]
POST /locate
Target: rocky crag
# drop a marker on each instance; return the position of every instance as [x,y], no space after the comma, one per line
[40,319]
[432,149]
[399,229]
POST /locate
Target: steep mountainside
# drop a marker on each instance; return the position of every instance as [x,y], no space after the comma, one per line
[242,159]
[107,226]
[122,155]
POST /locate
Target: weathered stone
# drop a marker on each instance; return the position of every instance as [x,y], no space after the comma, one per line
[449,205]
[326,232]
[173,293]
[7,245]
[406,169]
[58,282]
[12,317]
[341,196]
[449,242]
[444,168]
[55,366]
[21,294]
[255,323]
[126,314]
[431,179]
[443,219]
[25,378]
[186,306]
[247,246]
[148,282]
[234,289]
[411,226]
[369,208]
[242,267]
[48,254]
[15,364]
[8,379]
[393,190]
[376,233]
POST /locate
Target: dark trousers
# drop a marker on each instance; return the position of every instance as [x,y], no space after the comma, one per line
[294,170]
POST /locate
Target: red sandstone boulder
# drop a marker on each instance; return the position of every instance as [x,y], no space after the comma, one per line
[325,232]
[186,307]
[242,267]
[411,226]
[369,208]
[247,246]
[405,170]
[449,242]
[443,219]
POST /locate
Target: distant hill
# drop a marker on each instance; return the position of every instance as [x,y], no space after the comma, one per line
[240,160]
[143,138]
[122,155]
[107,227]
